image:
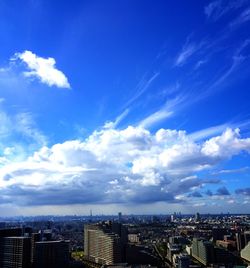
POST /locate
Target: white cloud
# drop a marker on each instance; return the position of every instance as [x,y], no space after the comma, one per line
[226,145]
[118,166]
[43,68]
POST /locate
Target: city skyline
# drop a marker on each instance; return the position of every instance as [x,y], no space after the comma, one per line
[133,106]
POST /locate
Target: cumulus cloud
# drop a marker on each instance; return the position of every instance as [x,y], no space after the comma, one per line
[209,193]
[131,165]
[195,194]
[222,191]
[243,191]
[43,69]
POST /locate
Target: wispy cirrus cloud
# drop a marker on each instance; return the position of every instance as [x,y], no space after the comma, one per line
[166,111]
[208,132]
[141,87]
[187,51]
[43,69]
[237,59]
[217,9]
[118,119]
[242,18]
[21,124]
[215,130]
[231,171]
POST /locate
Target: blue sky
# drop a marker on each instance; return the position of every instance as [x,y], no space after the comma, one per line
[132,106]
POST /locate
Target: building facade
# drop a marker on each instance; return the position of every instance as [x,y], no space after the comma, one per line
[105,243]
[15,252]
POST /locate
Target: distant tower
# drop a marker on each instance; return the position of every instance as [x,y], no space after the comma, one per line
[197,216]
[119,217]
[90,216]
[173,217]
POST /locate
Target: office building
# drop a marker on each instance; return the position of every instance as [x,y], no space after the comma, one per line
[15,252]
[35,237]
[8,232]
[203,251]
[51,254]
[181,261]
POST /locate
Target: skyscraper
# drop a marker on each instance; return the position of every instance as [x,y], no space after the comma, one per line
[119,217]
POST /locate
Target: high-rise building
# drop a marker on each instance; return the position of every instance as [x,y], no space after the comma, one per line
[197,216]
[203,251]
[51,254]
[15,252]
[35,237]
[240,241]
[105,243]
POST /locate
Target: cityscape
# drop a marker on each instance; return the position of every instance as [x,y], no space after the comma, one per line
[177,241]
[124,133]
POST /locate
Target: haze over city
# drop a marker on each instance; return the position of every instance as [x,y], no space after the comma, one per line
[133,106]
